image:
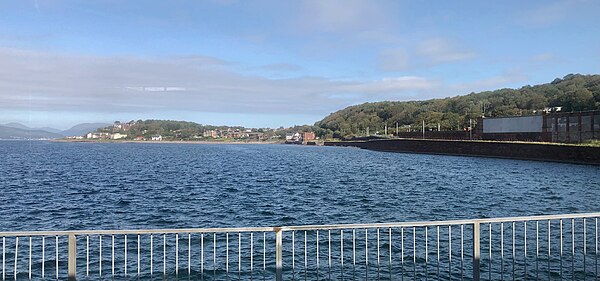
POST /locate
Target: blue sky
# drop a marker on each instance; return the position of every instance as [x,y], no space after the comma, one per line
[275,63]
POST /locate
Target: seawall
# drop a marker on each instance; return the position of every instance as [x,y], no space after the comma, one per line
[526,151]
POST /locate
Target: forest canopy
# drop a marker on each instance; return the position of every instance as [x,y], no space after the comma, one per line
[574,92]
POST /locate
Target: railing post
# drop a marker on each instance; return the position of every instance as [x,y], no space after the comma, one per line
[476,250]
[72,261]
[278,254]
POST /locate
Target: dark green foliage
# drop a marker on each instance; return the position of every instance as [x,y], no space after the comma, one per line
[574,92]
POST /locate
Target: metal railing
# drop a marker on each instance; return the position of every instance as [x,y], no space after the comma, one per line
[553,247]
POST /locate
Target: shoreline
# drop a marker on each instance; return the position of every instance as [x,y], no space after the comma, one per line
[167,142]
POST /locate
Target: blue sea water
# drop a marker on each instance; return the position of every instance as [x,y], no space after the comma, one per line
[67,186]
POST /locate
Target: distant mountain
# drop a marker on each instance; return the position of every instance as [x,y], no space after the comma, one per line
[17,126]
[17,133]
[83,128]
[49,129]
[23,127]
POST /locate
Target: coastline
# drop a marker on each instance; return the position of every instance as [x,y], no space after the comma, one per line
[167,142]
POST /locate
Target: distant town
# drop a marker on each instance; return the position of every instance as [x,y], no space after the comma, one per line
[167,130]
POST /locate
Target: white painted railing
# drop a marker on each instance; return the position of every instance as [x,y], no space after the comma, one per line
[514,248]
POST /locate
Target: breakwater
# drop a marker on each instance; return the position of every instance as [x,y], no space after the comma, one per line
[513,150]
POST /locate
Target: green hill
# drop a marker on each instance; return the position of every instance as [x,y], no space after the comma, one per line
[574,92]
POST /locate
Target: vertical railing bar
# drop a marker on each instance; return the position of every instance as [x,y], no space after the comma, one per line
[164,255]
[584,249]
[56,238]
[214,254]
[378,252]
[366,254]
[342,251]
[227,253]
[278,254]
[4,258]
[353,247]
[293,254]
[490,253]
[537,250]
[390,251]
[476,251]
[189,254]
[151,254]
[239,254]
[30,248]
[402,251]
[112,256]
[317,241]
[305,255]
[43,256]
[138,255]
[573,249]
[71,257]
[16,256]
[414,253]
[176,254]
[87,255]
[561,247]
[596,252]
[462,252]
[329,249]
[100,255]
[264,251]
[525,250]
[426,253]
[450,252]
[438,252]
[501,251]
[125,255]
[251,252]
[596,229]
[513,250]
[549,268]
[202,255]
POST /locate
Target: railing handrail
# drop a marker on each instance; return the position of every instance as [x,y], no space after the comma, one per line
[298,228]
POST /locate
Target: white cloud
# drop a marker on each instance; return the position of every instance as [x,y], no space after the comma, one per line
[341,15]
[544,57]
[37,81]
[392,85]
[438,50]
[393,60]
[282,67]
[489,84]
[550,13]
[428,53]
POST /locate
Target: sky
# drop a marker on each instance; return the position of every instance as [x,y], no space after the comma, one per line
[275,63]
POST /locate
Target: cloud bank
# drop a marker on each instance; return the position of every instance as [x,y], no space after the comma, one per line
[39,81]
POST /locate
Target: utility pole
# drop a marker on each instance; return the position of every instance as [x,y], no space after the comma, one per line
[396,129]
[423,129]
[470,129]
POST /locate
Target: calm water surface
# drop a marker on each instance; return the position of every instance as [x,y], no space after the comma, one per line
[65,186]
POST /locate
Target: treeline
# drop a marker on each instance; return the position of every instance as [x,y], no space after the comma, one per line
[170,129]
[574,92]
[184,130]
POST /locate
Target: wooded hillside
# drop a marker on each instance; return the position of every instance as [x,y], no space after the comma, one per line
[574,92]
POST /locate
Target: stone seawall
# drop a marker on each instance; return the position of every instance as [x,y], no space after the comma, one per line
[528,151]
